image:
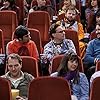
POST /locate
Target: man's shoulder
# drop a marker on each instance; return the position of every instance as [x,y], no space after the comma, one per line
[27,75]
[31,42]
[93,41]
[67,40]
[96,74]
[6,75]
[48,44]
[12,42]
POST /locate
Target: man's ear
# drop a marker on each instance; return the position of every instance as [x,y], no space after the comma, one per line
[53,34]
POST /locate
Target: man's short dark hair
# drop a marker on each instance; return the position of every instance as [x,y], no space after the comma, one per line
[53,29]
[21,31]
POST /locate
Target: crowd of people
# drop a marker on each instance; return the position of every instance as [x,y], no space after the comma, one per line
[84,19]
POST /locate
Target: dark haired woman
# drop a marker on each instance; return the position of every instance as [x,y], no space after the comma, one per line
[69,70]
[90,12]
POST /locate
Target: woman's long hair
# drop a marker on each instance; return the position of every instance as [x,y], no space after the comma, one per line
[63,68]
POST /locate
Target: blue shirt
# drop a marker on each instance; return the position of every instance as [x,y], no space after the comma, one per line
[92,51]
[80,90]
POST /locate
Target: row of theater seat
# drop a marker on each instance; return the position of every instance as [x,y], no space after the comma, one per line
[38,23]
[48,88]
[33,67]
[38,20]
[44,88]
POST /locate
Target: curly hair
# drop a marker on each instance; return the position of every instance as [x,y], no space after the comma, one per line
[52,29]
[21,31]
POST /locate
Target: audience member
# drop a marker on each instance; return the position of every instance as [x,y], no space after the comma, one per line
[71,23]
[69,70]
[92,53]
[90,14]
[18,79]
[42,6]
[22,44]
[97,15]
[58,44]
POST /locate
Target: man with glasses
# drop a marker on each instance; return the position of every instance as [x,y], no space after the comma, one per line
[18,79]
[58,44]
[22,44]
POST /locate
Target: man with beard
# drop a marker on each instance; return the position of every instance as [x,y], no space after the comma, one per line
[71,23]
[93,52]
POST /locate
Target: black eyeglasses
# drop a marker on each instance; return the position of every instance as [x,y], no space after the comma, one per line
[60,31]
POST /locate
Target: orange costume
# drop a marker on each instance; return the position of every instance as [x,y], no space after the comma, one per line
[29,49]
[80,37]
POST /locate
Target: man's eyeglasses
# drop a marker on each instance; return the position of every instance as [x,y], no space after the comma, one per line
[60,31]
